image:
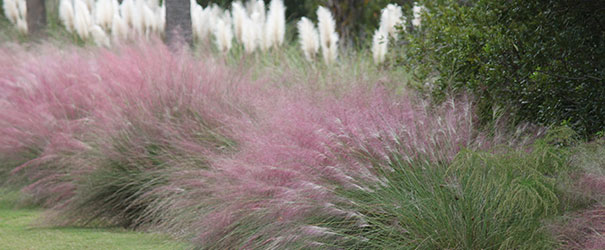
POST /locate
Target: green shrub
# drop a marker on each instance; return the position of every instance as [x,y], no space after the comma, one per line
[541,60]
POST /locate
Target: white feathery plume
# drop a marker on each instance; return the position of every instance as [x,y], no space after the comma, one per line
[391,17]
[103,13]
[256,6]
[153,3]
[215,11]
[66,14]
[22,9]
[148,19]
[162,17]
[308,37]
[22,25]
[239,17]
[90,5]
[417,11]
[82,19]
[196,15]
[11,11]
[327,35]
[127,10]
[99,36]
[223,34]
[275,25]
[119,28]
[380,43]
[250,33]
[137,17]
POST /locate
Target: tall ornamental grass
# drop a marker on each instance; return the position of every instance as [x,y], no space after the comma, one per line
[152,139]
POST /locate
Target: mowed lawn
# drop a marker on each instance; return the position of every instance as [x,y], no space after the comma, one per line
[18,230]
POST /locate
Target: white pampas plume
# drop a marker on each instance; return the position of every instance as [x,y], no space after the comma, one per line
[22,25]
[256,6]
[239,17]
[223,34]
[103,13]
[162,17]
[129,13]
[66,14]
[11,11]
[308,37]
[417,11]
[250,33]
[197,12]
[275,25]
[99,36]
[90,5]
[82,19]
[327,35]
[380,43]
[148,19]
[119,28]
[391,17]
[22,9]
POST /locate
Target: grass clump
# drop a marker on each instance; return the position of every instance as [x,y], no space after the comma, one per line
[481,200]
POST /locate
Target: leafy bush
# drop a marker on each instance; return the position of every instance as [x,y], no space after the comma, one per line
[540,59]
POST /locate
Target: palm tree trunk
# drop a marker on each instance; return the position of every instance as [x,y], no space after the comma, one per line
[178,22]
[36,15]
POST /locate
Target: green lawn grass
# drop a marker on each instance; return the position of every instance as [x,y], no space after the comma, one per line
[19,230]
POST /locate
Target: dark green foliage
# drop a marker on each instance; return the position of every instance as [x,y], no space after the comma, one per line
[542,60]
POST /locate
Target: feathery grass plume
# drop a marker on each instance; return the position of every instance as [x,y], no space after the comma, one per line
[275,25]
[197,13]
[66,15]
[16,12]
[308,38]
[99,36]
[149,22]
[327,35]
[90,5]
[223,34]
[417,11]
[256,6]
[22,26]
[11,11]
[103,14]
[82,20]
[239,17]
[391,17]
[380,43]
[119,28]
[251,30]
[161,15]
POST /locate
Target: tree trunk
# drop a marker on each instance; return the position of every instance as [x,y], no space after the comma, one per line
[178,22]
[36,15]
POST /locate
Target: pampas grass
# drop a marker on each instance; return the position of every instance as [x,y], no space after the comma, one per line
[16,12]
[380,45]
[275,25]
[223,34]
[327,35]
[308,38]
[66,15]
[82,19]
[392,17]
[239,17]
[417,11]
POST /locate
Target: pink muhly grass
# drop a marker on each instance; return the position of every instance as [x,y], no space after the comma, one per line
[145,137]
